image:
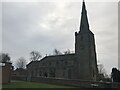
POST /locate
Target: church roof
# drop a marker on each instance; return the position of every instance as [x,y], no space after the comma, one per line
[53,58]
[59,57]
[32,63]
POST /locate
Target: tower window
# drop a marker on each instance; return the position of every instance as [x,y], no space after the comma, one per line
[82,47]
[81,38]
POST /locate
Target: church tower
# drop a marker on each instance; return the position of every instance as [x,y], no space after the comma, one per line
[85,50]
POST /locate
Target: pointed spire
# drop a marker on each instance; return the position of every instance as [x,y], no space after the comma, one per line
[84,25]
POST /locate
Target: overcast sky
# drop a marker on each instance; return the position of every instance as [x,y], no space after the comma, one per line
[43,26]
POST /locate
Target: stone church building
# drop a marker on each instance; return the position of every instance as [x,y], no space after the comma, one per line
[80,65]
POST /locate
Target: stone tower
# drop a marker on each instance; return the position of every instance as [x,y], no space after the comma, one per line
[85,52]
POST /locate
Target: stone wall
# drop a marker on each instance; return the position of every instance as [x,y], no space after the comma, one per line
[76,83]
[21,78]
[71,82]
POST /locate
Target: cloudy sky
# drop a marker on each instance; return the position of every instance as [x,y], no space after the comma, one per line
[43,26]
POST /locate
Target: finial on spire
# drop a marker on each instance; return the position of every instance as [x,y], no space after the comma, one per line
[84,4]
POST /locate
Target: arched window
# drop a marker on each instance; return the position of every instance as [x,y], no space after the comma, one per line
[49,63]
[57,63]
[66,62]
[43,63]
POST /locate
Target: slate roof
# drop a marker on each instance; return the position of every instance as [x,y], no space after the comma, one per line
[59,57]
[54,57]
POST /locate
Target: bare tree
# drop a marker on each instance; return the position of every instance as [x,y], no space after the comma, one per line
[102,74]
[101,69]
[56,52]
[4,57]
[21,63]
[67,51]
[35,56]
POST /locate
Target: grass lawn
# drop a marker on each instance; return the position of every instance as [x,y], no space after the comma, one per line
[21,84]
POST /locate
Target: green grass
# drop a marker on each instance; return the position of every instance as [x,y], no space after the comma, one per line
[21,84]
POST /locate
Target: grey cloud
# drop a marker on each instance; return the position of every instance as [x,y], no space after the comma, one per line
[45,26]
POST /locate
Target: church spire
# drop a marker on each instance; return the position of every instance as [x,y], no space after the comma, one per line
[84,25]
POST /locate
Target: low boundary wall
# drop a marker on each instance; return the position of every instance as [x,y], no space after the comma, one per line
[70,82]
[21,78]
